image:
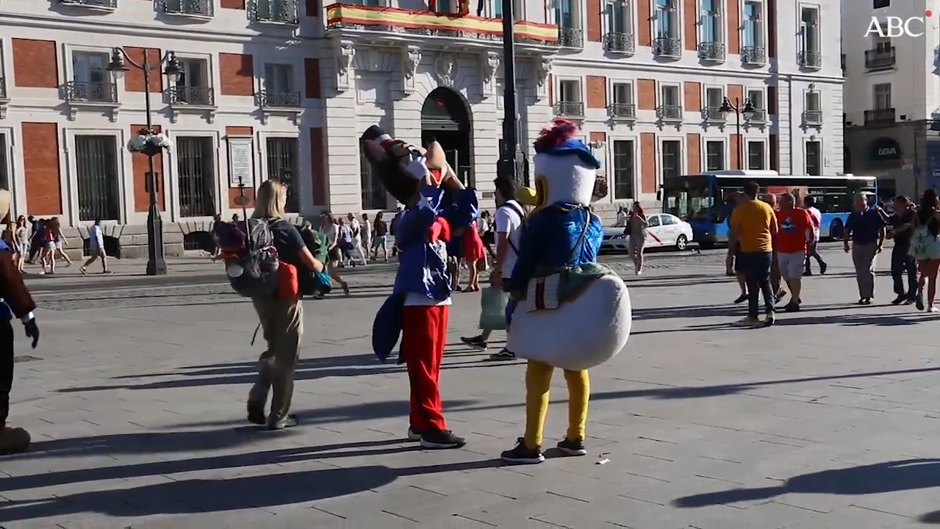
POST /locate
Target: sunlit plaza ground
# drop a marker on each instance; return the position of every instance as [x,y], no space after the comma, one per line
[135,399]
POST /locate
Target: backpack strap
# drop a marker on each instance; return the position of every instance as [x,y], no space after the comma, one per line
[580,242]
[521,214]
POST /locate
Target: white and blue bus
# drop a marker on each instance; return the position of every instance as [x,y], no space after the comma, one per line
[706,200]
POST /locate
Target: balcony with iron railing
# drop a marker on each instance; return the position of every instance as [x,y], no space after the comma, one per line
[108,5]
[757,115]
[880,116]
[669,112]
[190,95]
[192,8]
[279,99]
[353,20]
[571,37]
[714,114]
[812,117]
[811,60]
[668,47]
[82,92]
[569,109]
[883,57]
[619,43]
[621,111]
[711,51]
[274,11]
[754,55]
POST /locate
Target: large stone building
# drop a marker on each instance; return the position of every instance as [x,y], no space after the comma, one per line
[282,89]
[892,94]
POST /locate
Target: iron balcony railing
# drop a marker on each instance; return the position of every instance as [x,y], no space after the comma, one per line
[811,60]
[198,8]
[569,108]
[619,43]
[190,95]
[621,110]
[669,112]
[668,47]
[711,51]
[883,57]
[714,115]
[571,37]
[76,91]
[275,11]
[754,55]
[880,116]
[812,117]
[97,4]
[758,115]
[274,99]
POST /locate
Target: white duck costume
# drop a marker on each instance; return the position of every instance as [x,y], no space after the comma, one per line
[567,311]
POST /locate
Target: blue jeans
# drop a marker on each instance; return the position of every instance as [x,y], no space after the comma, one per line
[756,269]
[902,263]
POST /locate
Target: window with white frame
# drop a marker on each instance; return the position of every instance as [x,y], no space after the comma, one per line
[756,97]
[882,95]
[569,91]
[714,155]
[813,158]
[279,86]
[670,101]
[620,17]
[622,100]
[193,84]
[624,169]
[98,186]
[810,37]
[4,162]
[714,97]
[518,9]
[812,105]
[756,153]
[671,158]
[753,24]
[710,21]
[568,14]
[91,80]
[667,19]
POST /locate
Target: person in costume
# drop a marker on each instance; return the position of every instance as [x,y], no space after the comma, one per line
[436,204]
[567,311]
[15,302]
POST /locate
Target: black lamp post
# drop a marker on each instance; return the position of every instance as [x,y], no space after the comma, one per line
[156,262]
[747,110]
[512,161]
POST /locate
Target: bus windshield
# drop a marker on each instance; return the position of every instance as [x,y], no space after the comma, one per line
[689,199]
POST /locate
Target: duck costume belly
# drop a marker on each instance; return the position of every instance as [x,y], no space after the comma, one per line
[436,204]
[567,311]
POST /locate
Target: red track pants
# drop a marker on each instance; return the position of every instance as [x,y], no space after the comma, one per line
[424,336]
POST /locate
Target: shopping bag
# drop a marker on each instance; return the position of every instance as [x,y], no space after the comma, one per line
[493,309]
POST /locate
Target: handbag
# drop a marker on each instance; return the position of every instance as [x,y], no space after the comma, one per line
[493,309]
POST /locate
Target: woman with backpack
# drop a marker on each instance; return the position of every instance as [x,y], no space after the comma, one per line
[281,316]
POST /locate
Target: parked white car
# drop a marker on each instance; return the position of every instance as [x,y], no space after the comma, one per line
[665,230]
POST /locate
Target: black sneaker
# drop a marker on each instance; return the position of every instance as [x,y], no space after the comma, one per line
[919,300]
[900,299]
[522,455]
[442,440]
[502,355]
[571,448]
[861,301]
[413,435]
[285,422]
[740,299]
[474,341]
[256,414]
[791,307]
[822,268]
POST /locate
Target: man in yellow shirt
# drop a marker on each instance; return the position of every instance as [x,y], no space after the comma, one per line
[753,229]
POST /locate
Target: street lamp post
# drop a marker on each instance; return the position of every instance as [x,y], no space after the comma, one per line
[149,143]
[512,162]
[747,110]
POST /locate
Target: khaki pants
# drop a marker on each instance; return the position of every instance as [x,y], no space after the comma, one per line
[282,326]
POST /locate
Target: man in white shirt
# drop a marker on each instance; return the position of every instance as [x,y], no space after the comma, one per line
[366,236]
[816,216]
[509,219]
[96,248]
[356,229]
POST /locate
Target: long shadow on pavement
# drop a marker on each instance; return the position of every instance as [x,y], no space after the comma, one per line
[878,478]
[219,495]
[788,320]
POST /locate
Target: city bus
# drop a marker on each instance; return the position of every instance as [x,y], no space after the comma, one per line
[706,200]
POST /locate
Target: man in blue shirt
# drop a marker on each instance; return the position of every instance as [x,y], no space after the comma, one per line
[865,228]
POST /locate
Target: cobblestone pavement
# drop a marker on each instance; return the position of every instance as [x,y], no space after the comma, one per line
[135,399]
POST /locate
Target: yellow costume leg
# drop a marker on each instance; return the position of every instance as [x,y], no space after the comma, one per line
[538,381]
[579,393]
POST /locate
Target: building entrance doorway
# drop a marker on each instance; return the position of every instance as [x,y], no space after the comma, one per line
[445,118]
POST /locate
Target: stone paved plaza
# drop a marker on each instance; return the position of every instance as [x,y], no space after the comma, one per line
[135,399]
